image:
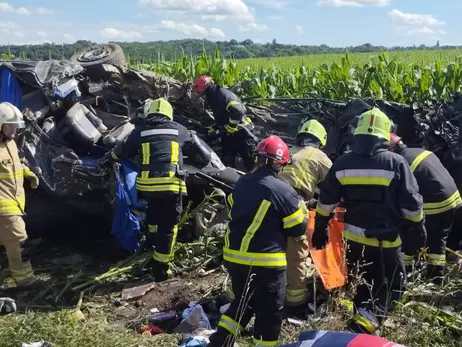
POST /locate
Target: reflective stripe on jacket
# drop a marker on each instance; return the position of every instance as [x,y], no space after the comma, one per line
[309,167]
[12,172]
[227,109]
[377,190]
[263,212]
[158,142]
[436,185]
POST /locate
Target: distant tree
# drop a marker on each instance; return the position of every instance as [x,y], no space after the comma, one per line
[438,43]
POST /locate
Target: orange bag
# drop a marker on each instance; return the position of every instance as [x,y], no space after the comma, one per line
[330,262]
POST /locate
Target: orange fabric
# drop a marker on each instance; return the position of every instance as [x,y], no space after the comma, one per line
[330,262]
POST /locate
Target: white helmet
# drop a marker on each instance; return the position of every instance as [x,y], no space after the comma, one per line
[10,114]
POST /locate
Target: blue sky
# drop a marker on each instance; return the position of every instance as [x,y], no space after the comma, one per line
[312,22]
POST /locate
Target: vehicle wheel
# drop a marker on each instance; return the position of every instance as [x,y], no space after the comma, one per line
[100,54]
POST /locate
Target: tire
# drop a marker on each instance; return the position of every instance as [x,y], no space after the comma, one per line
[100,54]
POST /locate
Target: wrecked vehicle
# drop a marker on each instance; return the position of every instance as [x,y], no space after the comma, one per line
[73,117]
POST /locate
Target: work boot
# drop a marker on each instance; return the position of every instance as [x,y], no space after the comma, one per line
[161,271]
[30,282]
[363,322]
[436,273]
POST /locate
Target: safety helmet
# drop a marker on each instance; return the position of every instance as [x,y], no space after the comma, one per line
[375,123]
[10,114]
[159,107]
[202,83]
[274,148]
[315,128]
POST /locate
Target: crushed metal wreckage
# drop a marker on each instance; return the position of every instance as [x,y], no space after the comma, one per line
[78,110]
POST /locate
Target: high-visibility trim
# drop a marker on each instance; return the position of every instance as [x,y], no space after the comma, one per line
[146,153]
[413,216]
[301,178]
[232,103]
[295,296]
[151,132]
[231,129]
[436,259]
[364,322]
[152,228]
[162,258]
[226,245]
[13,175]
[172,245]
[233,327]
[259,342]
[294,219]
[233,122]
[12,206]
[230,201]
[325,210]
[365,177]
[114,156]
[450,203]
[256,223]
[408,259]
[417,160]
[159,180]
[28,172]
[175,149]
[255,259]
[175,188]
[144,175]
[358,235]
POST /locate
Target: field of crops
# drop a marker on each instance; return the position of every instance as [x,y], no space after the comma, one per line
[406,76]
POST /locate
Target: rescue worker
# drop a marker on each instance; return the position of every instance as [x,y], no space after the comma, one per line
[13,233]
[379,193]
[309,167]
[161,179]
[231,122]
[264,211]
[441,199]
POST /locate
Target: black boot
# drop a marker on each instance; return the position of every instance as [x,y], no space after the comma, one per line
[160,271]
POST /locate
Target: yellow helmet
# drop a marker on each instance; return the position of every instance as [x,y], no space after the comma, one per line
[314,128]
[375,123]
[159,106]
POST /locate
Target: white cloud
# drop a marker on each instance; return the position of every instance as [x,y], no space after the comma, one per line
[113,33]
[253,27]
[235,10]
[22,11]
[68,37]
[41,34]
[299,29]
[414,19]
[354,3]
[276,17]
[43,10]
[190,29]
[278,4]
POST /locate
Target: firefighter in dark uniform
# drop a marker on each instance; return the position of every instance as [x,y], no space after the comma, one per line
[231,122]
[441,199]
[264,211]
[383,207]
[161,180]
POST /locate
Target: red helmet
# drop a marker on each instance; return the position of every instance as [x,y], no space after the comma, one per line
[202,83]
[274,148]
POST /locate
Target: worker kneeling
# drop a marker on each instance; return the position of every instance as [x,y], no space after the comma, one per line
[441,199]
[308,168]
[12,197]
[264,211]
[378,191]
[160,180]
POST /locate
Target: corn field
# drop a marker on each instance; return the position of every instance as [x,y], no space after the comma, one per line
[401,77]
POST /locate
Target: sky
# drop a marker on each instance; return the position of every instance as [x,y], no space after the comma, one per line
[338,23]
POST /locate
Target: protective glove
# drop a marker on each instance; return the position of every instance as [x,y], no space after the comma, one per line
[414,237]
[33,179]
[312,203]
[320,236]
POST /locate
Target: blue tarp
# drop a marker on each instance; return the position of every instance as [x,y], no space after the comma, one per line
[10,90]
[125,225]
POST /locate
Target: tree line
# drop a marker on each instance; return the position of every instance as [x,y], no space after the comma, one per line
[147,52]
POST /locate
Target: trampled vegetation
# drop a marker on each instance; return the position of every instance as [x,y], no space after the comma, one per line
[400,76]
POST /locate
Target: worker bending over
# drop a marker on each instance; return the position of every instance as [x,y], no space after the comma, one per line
[264,211]
[13,233]
[231,122]
[441,198]
[160,180]
[309,167]
[377,189]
